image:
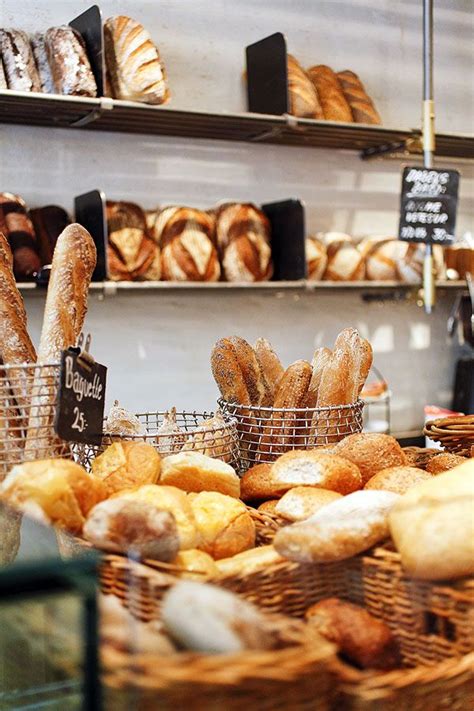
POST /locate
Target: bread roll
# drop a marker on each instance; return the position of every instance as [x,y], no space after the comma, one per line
[133,62]
[123,423]
[127,464]
[257,483]
[213,437]
[397,479]
[225,525]
[205,618]
[18,61]
[432,526]
[169,498]
[313,468]
[196,565]
[62,489]
[345,262]
[243,237]
[303,501]
[362,107]
[192,471]
[443,462]
[268,507]
[331,96]
[339,530]
[132,527]
[131,252]
[316,258]
[249,562]
[360,637]
[70,66]
[303,97]
[228,374]
[370,452]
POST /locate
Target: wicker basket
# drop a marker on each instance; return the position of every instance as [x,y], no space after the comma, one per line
[214,440]
[266,432]
[456,434]
[27,412]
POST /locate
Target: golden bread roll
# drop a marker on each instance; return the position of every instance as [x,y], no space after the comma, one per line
[361,638]
[314,468]
[268,506]
[257,483]
[126,526]
[339,530]
[59,488]
[432,526]
[371,452]
[302,93]
[397,479]
[196,564]
[174,500]
[127,464]
[331,96]
[316,258]
[249,562]
[303,501]
[443,462]
[224,524]
[192,471]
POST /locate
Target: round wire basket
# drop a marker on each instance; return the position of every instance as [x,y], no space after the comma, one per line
[267,432]
[28,395]
[196,431]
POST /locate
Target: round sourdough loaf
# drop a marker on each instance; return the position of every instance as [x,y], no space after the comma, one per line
[192,471]
[313,468]
[397,479]
[127,464]
[371,452]
[443,462]
[224,524]
[339,530]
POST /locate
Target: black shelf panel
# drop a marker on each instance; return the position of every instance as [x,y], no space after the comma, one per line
[129,117]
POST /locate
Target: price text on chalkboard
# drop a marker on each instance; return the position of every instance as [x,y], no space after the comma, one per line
[81,399]
[428,205]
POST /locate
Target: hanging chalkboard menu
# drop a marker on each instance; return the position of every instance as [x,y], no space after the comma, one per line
[428,205]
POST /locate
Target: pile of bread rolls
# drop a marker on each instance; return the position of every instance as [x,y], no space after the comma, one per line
[321,93]
[336,256]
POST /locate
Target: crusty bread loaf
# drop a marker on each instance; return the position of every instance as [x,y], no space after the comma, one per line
[48,222]
[303,97]
[213,437]
[243,237]
[361,638]
[336,384]
[228,374]
[362,107]
[249,562]
[18,61]
[344,260]
[268,506]
[195,472]
[225,525]
[38,45]
[339,530]
[314,468]
[321,358]
[126,464]
[397,479]
[331,96]
[70,66]
[270,366]
[303,501]
[131,252]
[251,371]
[381,257]
[257,483]
[371,452]
[316,257]
[17,227]
[443,462]
[133,62]
[132,527]
[433,525]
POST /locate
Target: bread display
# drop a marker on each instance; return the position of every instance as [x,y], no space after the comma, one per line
[344,260]
[381,258]
[370,452]
[40,53]
[48,223]
[316,257]
[243,238]
[224,524]
[397,479]
[186,238]
[134,528]
[70,66]
[433,527]
[301,502]
[195,564]
[132,254]
[361,638]
[127,464]
[192,471]
[56,491]
[302,95]
[443,462]
[361,105]
[313,468]
[120,421]
[330,93]
[19,231]
[339,530]
[134,66]
[18,61]
[249,562]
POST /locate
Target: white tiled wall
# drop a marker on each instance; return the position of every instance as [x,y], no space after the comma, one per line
[157,345]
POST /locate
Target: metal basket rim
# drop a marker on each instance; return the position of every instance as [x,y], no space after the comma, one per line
[231,420]
[358,404]
[27,366]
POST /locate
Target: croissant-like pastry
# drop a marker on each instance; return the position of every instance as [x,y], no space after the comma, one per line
[170,437]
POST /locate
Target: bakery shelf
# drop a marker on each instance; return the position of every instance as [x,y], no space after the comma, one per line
[129,117]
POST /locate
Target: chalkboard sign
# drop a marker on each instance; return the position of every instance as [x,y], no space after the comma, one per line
[81,398]
[267,76]
[428,205]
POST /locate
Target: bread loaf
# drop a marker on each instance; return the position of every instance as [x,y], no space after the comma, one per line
[70,66]
[243,238]
[360,637]
[125,464]
[19,231]
[339,530]
[331,96]
[192,471]
[257,483]
[249,562]
[38,44]
[303,97]
[224,524]
[133,62]
[250,367]
[196,565]
[123,423]
[186,237]
[270,366]
[443,462]
[314,468]
[133,527]
[362,107]
[371,452]
[397,479]
[345,262]
[18,61]
[381,257]
[316,258]
[303,501]
[432,526]
[170,438]
[214,438]
[131,252]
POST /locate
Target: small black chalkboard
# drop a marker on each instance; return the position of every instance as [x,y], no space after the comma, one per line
[428,205]
[287,221]
[267,76]
[89,25]
[90,211]
[81,398]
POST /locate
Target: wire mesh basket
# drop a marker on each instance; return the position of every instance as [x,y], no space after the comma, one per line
[28,395]
[267,432]
[196,431]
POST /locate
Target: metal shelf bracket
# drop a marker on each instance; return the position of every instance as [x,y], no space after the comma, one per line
[106,104]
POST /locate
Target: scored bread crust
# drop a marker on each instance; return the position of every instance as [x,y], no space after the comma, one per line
[314,468]
[250,368]
[303,96]
[362,106]
[224,523]
[194,472]
[335,387]
[228,374]
[371,452]
[321,358]
[333,102]
[397,479]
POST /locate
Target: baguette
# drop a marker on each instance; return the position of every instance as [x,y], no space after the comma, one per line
[250,368]
[270,365]
[362,106]
[227,373]
[336,380]
[320,360]
[331,96]
[303,97]
[350,342]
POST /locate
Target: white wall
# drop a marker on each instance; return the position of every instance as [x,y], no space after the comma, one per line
[157,345]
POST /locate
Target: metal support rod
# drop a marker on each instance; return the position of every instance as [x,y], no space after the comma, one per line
[428,139]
